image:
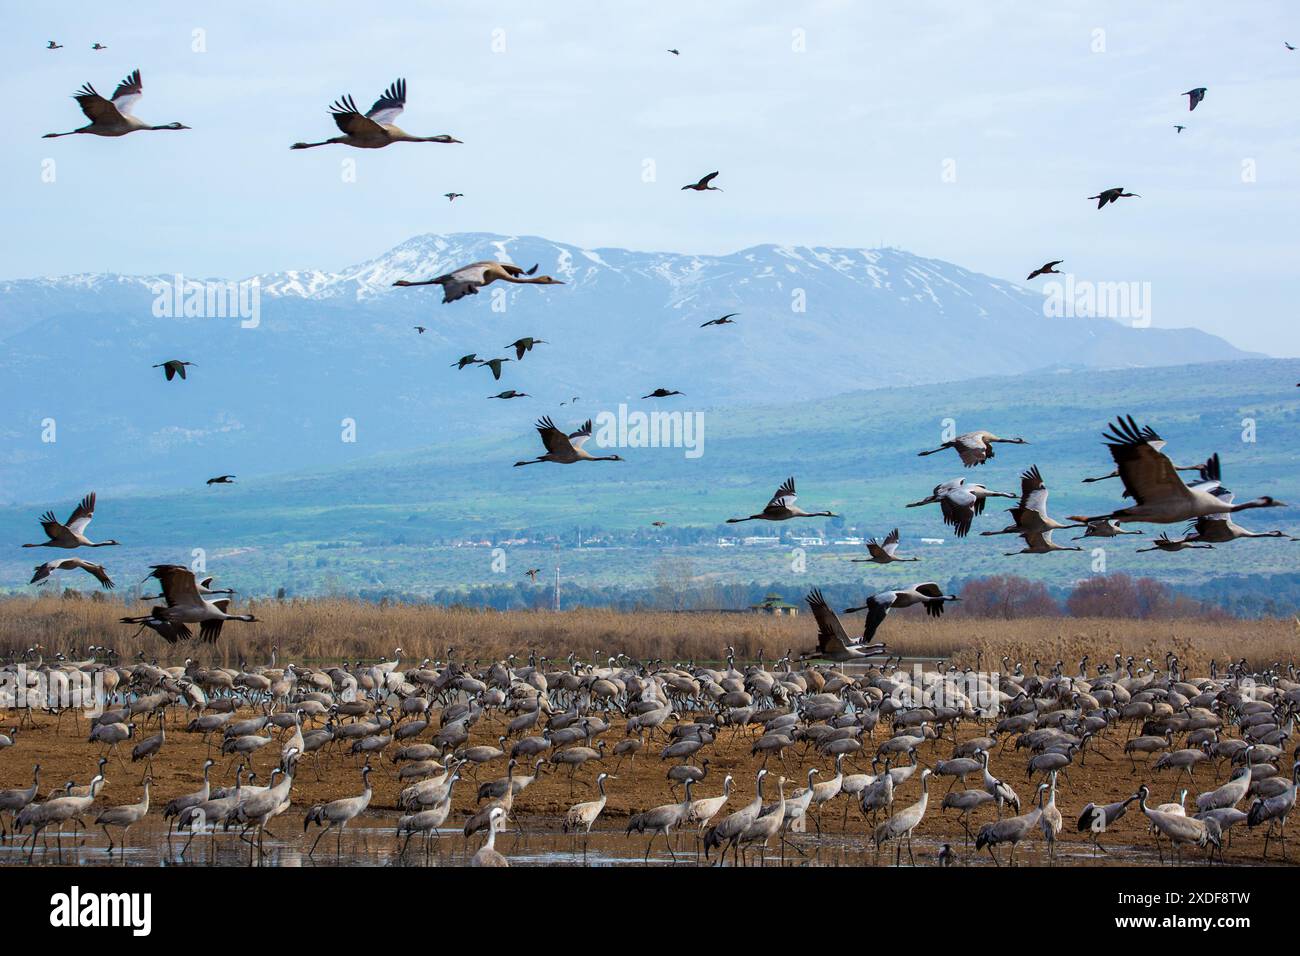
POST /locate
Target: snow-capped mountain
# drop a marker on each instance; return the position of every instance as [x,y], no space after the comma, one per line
[328,346]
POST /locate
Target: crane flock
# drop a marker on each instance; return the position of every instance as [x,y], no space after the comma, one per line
[908,729]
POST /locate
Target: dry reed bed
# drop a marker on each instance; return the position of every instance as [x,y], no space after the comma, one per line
[333,630]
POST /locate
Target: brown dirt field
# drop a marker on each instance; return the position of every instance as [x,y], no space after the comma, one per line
[65,755]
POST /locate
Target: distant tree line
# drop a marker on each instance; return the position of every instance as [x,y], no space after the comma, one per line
[997,596]
[677,587]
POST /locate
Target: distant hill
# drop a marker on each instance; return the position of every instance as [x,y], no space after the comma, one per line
[385,522]
[814,322]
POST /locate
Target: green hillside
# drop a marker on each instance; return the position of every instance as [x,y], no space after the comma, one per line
[390,523]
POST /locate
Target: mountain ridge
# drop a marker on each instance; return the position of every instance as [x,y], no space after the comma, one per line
[331,345]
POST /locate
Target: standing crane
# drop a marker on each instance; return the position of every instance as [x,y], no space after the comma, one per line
[336,814]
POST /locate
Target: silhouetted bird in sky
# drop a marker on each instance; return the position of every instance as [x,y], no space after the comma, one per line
[222,480]
[510,393]
[1194,97]
[725,320]
[662,393]
[494,365]
[703,184]
[675,52]
[420,329]
[173,367]
[1179,128]
[1114,194]
[1046,269]
[525,345]
[452,197]
[464,360]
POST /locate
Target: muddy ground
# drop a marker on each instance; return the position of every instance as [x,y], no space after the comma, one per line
[64,754]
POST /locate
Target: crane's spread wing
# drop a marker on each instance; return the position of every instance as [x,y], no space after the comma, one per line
[784,496]
[1208,525]
[474,272]
[51,525]
[709,178]
[1209,475]
[178,584]
[389,106]
[878,606]
[81,516]
[1033,492]
[554,439]
[829,629]
[972,449]
[930,589]
[98,572]
[1037,540]
[579,438]
[959,509]
[1145,471]
[877,550]
[96,108]
[349,119]
[209,631]
[128,92]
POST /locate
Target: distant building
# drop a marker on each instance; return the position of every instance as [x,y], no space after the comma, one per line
[810,542]
[932,540]
[773,604]
[726,542]
[759,539]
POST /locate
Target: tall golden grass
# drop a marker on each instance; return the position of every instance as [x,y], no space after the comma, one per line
[333,630]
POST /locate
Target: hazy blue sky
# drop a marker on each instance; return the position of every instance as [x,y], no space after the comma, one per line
[843,143]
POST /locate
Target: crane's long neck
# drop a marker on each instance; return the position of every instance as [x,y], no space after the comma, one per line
[1255,503]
